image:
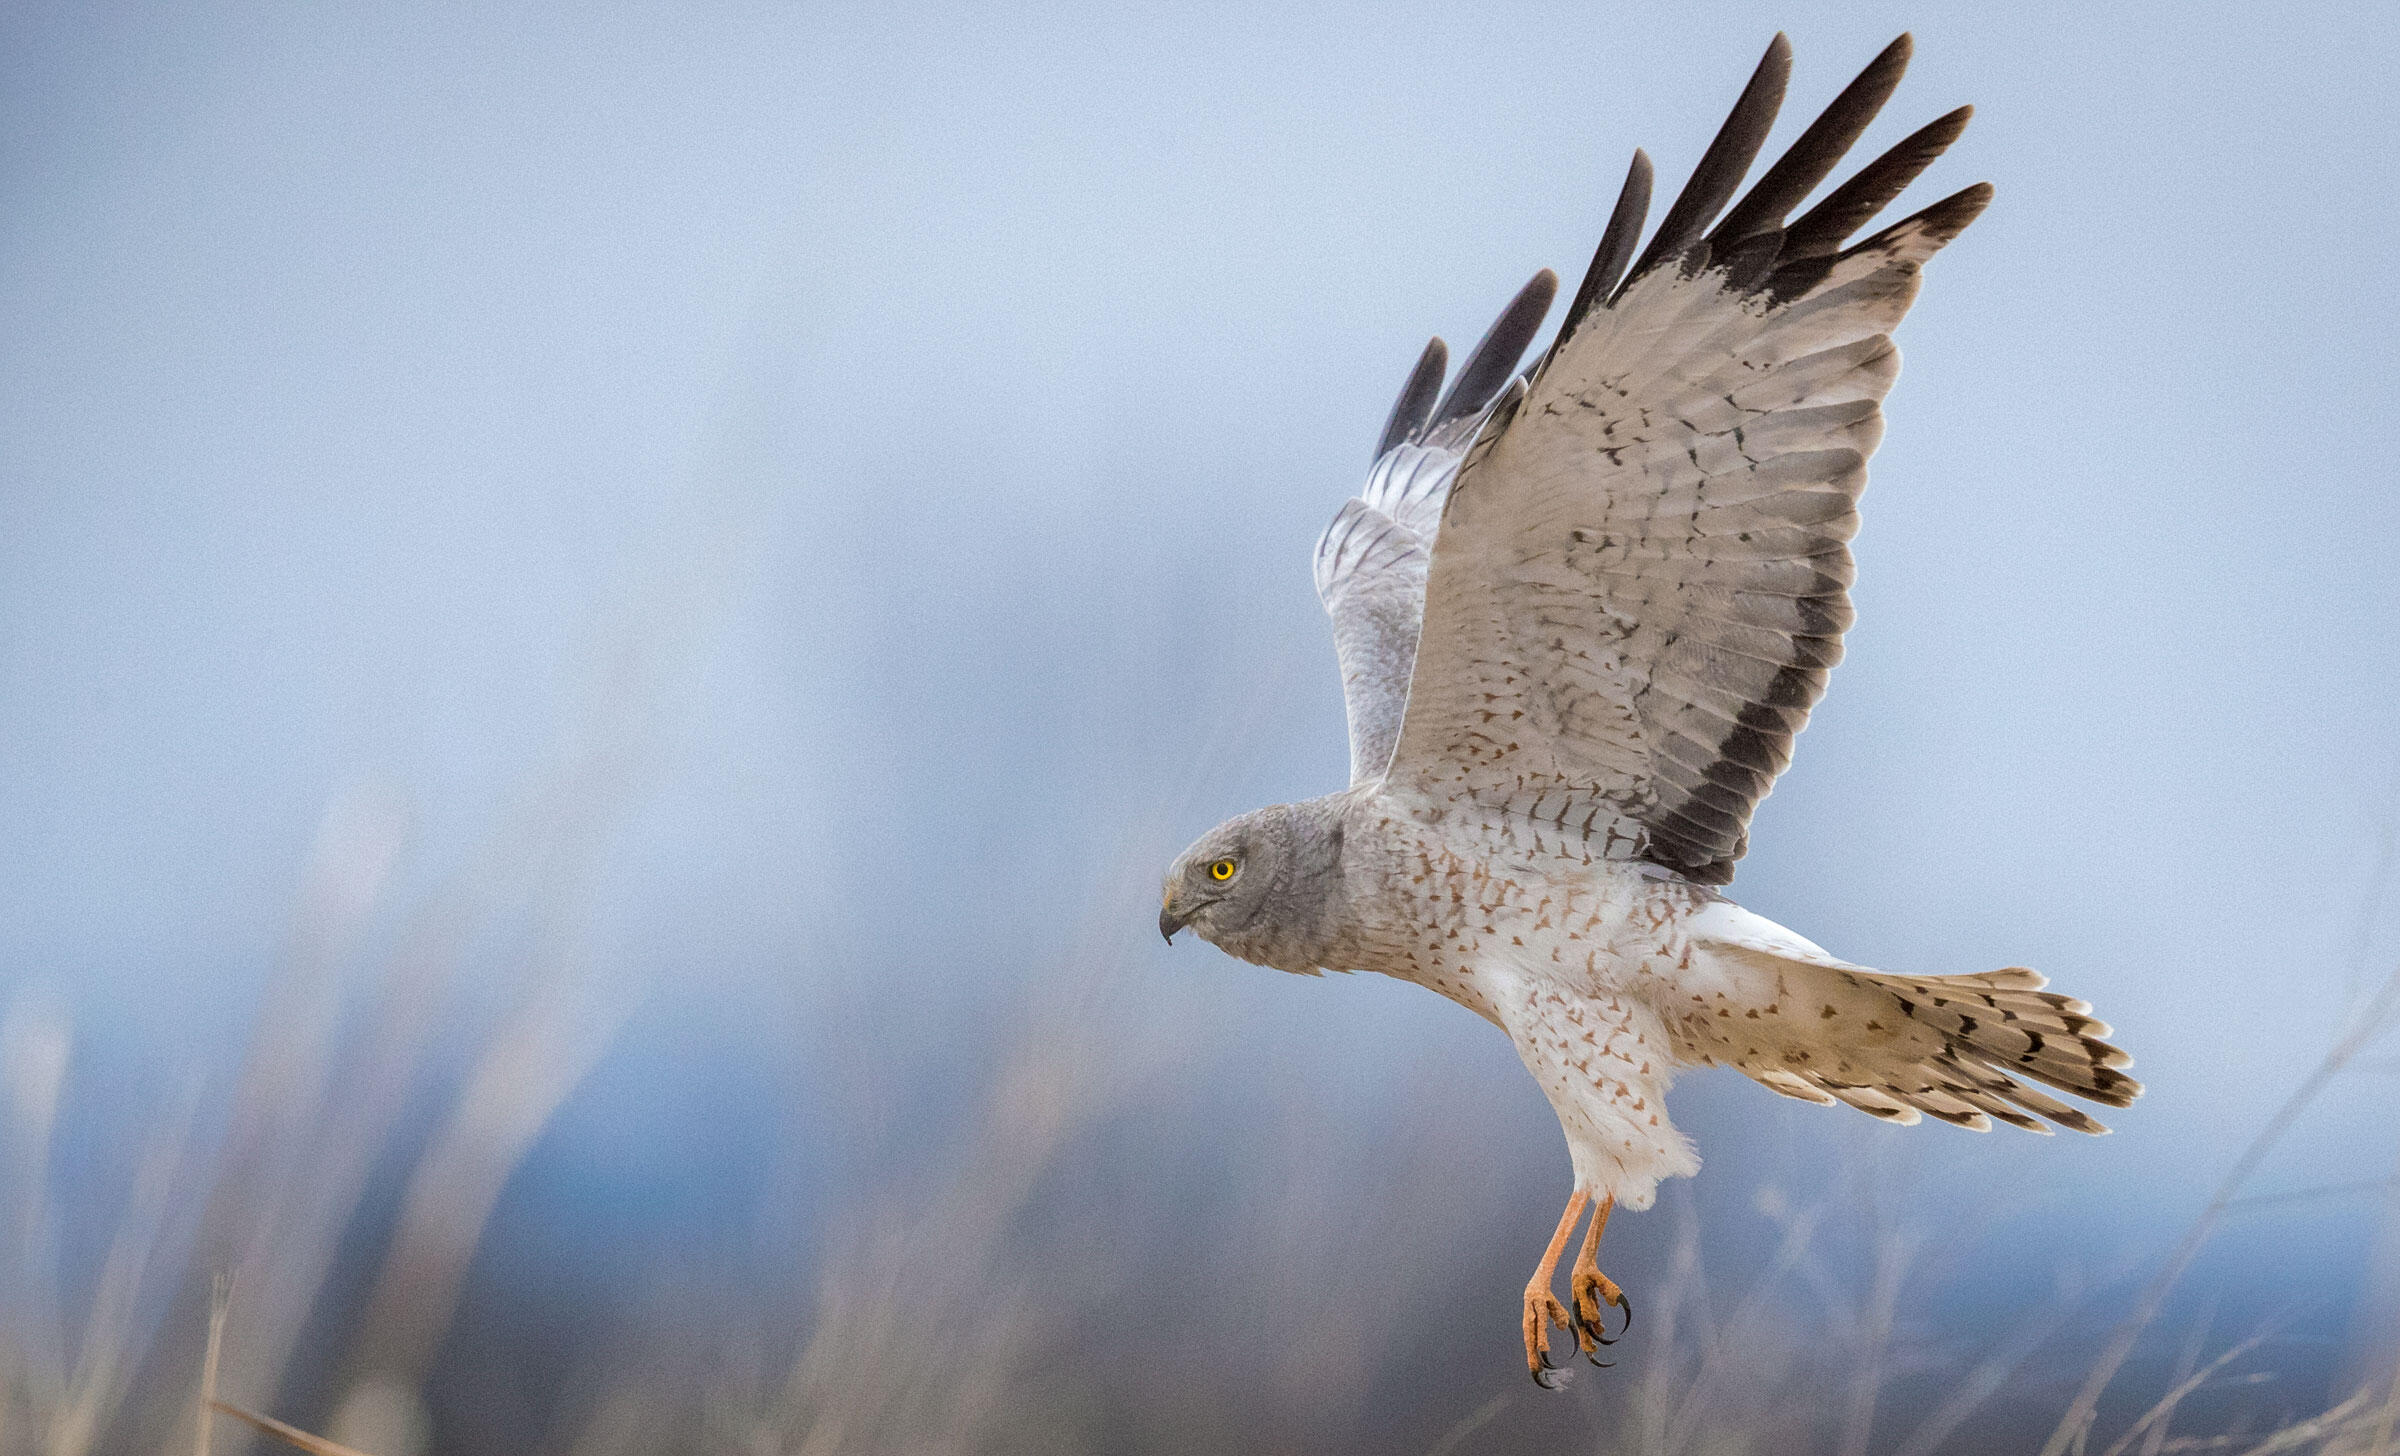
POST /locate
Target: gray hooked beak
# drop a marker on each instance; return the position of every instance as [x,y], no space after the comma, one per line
[1169,922]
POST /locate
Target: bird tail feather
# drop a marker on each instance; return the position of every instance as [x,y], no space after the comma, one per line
[1995,1027]
[1899,1047]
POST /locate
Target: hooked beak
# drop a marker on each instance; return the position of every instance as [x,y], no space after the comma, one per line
[1168,921]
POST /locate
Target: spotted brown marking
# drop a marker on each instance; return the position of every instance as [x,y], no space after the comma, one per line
[1581,613]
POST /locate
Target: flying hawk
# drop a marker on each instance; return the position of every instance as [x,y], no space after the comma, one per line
[1582,609]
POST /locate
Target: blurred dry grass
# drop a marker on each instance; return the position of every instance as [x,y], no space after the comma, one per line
[938,1324]
[960,1306]
[974,1298]
[359,1027]
[263,1205]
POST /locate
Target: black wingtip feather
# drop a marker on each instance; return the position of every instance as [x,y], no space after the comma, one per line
[1812,158]
[1494,361]
[1944,220]
[1415,404]
[1819,231]
[1624,233]
[1727,159]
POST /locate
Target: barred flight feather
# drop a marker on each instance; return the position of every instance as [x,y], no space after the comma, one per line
[1692,449]
[1583,611]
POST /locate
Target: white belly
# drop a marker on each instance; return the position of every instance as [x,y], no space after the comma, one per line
[1565,955]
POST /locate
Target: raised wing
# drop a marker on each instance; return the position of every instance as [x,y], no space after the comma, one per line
[1371,561]
[1642,569]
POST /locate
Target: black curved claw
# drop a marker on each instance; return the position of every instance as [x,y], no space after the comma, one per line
[1593,1330]
[1591,1351]
[1589,1329]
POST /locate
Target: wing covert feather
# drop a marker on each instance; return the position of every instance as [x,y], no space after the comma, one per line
[1640,575]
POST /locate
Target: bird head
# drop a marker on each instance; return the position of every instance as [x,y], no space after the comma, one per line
[1220,885]
[1266,887]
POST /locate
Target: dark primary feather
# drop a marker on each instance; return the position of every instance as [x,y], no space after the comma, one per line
[1726,161]
[1494,361]
[1735,244]
[1820,149]
[1946,219]
[1847,208]
[1617,243]
[1700,825]
[1415,404]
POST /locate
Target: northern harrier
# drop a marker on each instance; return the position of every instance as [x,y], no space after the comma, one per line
[1581,612]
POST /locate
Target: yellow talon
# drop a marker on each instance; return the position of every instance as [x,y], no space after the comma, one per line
[1542,1308]
[1591,1289]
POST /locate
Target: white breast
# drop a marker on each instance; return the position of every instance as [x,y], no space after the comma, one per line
[1561,951]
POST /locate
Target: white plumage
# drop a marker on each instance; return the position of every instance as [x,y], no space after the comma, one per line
[1581,614]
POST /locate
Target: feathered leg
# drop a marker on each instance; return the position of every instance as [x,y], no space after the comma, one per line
[1541,1302]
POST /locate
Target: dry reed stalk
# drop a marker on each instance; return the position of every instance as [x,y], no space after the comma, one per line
[2073,1432]
[36,1043]
[541,1051]
[142,1253]
[2321,1431]
[282,1079]
[1989,1375]
[1726,1346]
[2164,1408]
[646,653]
[1682,1291]
[2375,1328]
[929,1274]
[2185,1364]
[1474,1421]
[206,1429]
[855,1384]
[547,851]
[299,1144]
[1894,1254]
[288,1434]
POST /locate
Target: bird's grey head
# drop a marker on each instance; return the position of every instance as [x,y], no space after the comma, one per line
[1265,887]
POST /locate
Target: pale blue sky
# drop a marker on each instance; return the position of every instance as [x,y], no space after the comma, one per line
[1003,362]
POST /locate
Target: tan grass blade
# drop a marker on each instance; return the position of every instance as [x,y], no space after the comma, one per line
[2073,1433]
[217,1305]
[143,1244]
[2167,1403]
[289,1435]
[537,1057]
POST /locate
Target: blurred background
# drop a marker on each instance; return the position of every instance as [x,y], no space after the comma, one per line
[608,614]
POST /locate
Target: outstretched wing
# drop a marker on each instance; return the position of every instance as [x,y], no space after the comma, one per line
[1371,561]
[1642,571]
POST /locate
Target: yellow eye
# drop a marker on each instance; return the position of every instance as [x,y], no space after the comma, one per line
[1221,870]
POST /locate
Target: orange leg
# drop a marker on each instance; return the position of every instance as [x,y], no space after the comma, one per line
[1541,1303]
[1590,1288]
